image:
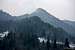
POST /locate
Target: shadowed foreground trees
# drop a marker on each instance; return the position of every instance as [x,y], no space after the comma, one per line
[48,44]
[8,42]
[67,43]
[28,42]
[19,42]
[54,44]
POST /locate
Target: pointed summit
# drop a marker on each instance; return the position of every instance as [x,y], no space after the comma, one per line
[44,15]
[1,11]
[41,10]
[4,13]
[48,18]
[4,16]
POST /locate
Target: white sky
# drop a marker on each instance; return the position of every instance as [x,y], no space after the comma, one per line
[62,9]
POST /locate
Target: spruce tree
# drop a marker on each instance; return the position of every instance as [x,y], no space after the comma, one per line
[67,43]
[48,44]
[54,44]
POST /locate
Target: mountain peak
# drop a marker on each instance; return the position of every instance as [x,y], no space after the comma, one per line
[4,13]
[1,11]
[42,10]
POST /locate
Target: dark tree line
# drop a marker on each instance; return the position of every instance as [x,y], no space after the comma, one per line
[30,42]
[8,42]
[54,46]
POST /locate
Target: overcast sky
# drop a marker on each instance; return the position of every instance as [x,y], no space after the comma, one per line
[62,9]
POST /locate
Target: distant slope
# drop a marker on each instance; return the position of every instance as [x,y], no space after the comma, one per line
[5,21]
[39,22]
[34,25]
[48,18]
[72,23]
[5,16]
[41,13]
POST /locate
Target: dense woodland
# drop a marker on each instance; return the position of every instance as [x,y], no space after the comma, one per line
[29,42]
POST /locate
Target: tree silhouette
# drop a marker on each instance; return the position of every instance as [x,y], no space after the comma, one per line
[43,43]
[54,44]
[43,46]
[48,44]
[67,43]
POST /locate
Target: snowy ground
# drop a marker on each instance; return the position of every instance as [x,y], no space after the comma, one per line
[3,34]
[45,40]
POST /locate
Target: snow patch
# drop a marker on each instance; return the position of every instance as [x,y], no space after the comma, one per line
[2,35]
